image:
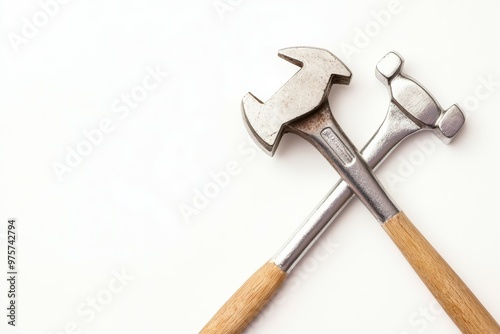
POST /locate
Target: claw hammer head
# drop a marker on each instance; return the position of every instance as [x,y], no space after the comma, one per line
[418,104]
[301,95]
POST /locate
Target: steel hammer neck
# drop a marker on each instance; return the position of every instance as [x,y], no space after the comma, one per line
[323,132]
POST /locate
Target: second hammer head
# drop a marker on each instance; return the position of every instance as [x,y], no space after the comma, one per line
[416,102]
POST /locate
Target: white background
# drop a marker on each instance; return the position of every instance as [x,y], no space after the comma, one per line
[118,209]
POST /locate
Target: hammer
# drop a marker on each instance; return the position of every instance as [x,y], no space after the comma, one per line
[301,107]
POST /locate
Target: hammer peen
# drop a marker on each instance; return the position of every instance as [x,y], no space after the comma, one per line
[301,107]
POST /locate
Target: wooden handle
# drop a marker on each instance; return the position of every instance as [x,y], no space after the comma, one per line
[246,303]
[450,291]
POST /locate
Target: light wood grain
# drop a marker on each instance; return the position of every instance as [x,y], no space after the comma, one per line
[246,303]
[450,291]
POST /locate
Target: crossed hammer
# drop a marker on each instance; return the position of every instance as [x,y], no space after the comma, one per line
[301,107]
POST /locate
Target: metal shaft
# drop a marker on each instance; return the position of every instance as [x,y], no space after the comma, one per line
[324,133]
[395,128]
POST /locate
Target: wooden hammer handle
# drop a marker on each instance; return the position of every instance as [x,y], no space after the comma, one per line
[450,291]
[247,301]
